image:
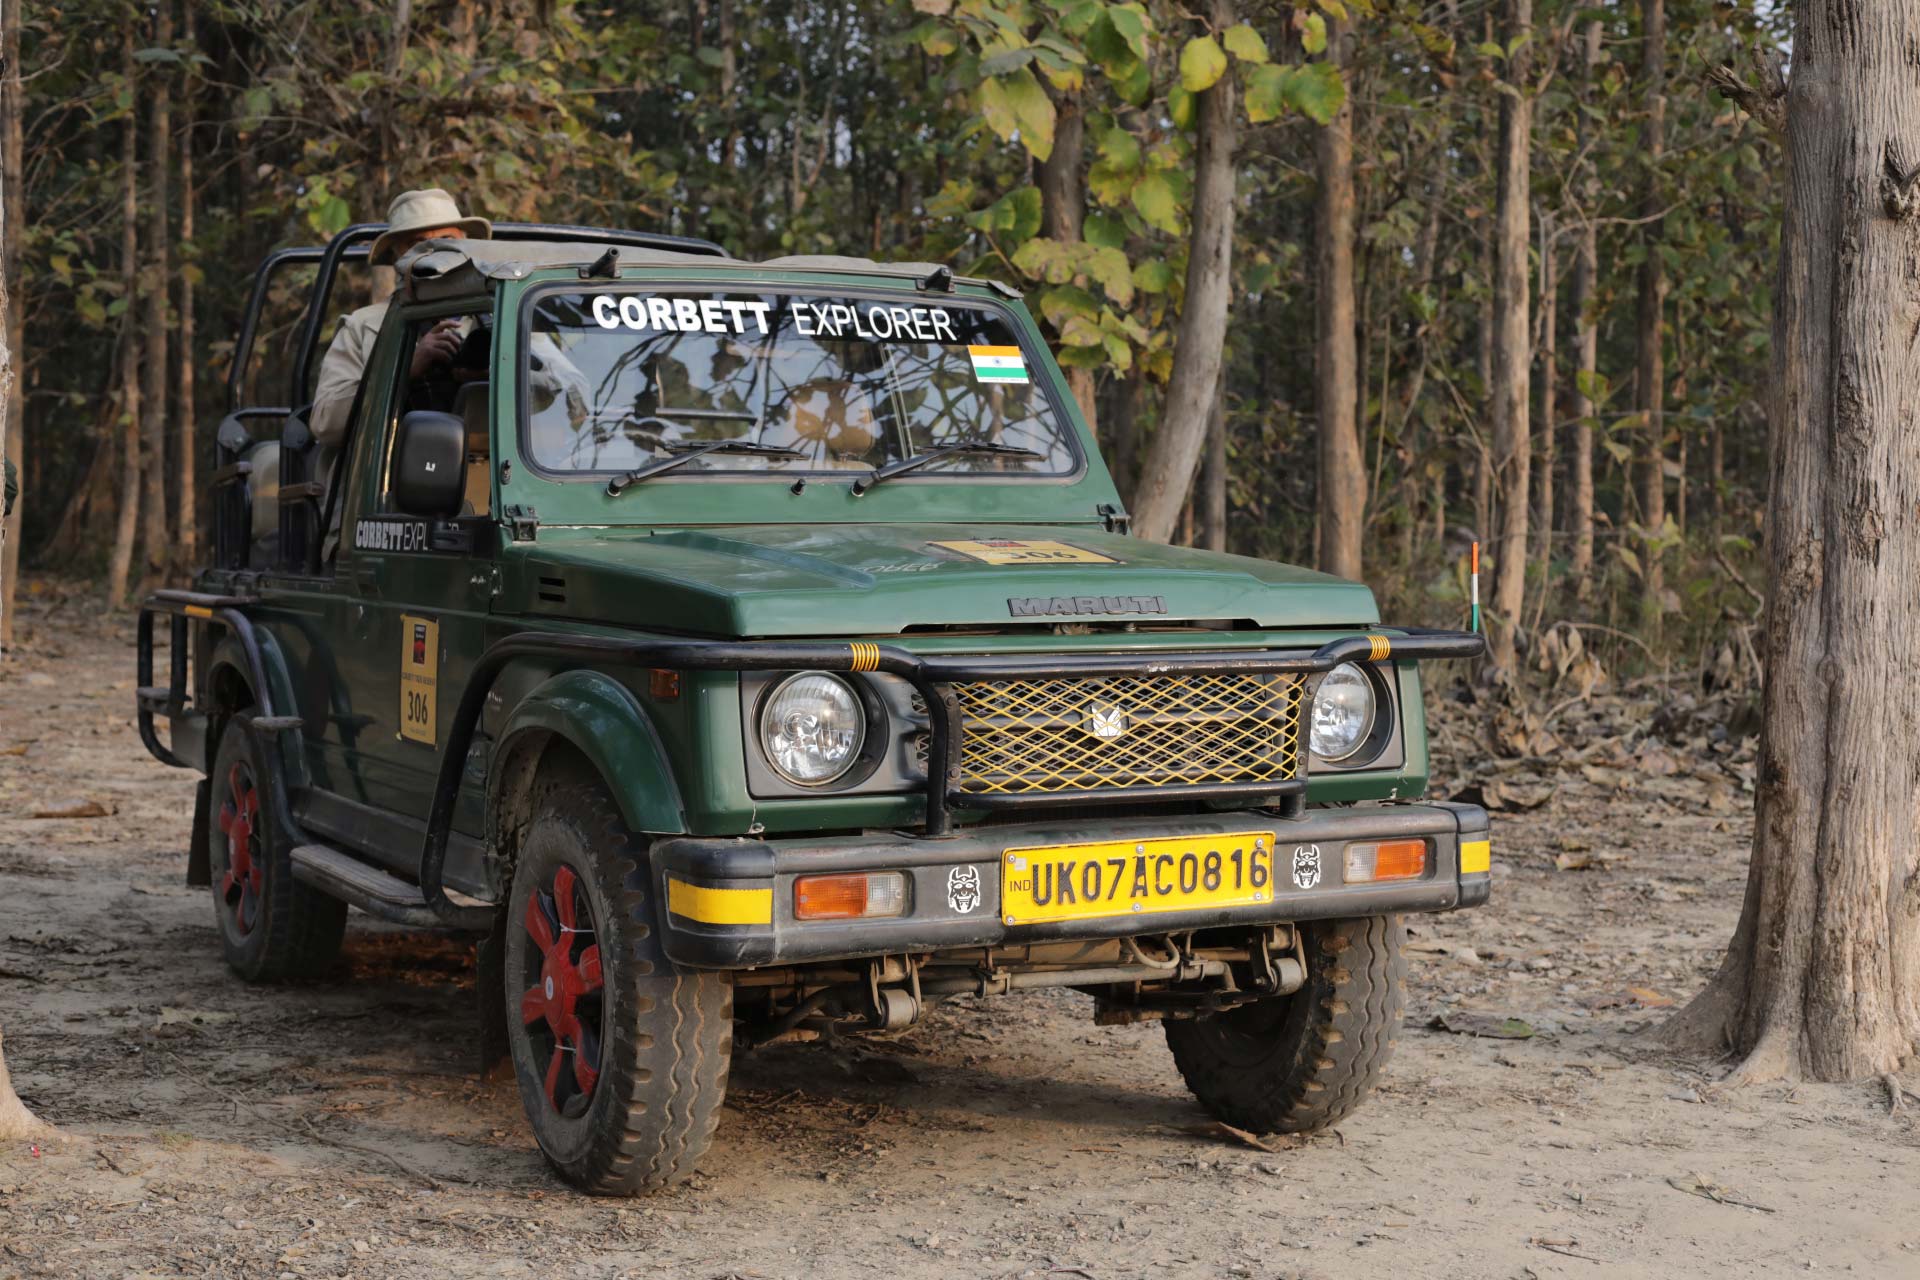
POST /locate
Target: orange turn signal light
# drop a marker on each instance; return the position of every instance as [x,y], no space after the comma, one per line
[1387,860]
[855,896]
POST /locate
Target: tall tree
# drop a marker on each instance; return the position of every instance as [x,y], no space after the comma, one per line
[1649,365]
[16,1122]
[1823,974]
[154,530]
[1511,351]
[1200,339]
[120,563]
[1062,179]
[1342,473]
[1586,330]
[186,523]
[12,223]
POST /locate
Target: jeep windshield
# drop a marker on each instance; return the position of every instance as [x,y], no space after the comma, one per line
[846,384]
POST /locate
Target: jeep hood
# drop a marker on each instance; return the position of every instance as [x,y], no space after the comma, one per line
[862,580]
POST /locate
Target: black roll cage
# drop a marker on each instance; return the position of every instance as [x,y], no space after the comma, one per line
[300,515]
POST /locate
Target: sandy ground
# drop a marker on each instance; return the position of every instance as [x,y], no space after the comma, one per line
[336,1128]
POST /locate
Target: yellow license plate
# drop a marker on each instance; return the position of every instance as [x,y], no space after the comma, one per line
[1136,877]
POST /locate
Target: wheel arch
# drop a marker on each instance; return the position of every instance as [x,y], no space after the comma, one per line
[589,716]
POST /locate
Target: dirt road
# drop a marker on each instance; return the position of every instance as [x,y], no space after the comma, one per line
[336,1129]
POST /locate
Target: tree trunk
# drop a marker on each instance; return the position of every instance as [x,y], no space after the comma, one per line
[1586,267]
[1062,180]
[1508,394]
[186,523]
[1540,532]
[1200,339]
[13,443]
[120,564]
[1650,379]
[1341,482]
[16,1122]
[1213,475]
[1124,437]
[153,466]
[1823,975]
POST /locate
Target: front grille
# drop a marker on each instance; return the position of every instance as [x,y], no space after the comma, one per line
[1038,736]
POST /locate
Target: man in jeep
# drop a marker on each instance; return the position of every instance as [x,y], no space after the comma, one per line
[413,216]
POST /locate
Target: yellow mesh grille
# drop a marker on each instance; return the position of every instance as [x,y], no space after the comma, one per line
[1027,736]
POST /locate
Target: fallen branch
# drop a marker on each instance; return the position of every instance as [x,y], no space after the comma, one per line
[1726,565]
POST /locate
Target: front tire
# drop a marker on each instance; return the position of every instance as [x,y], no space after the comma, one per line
[1303,1062]
[271,925]
[621,1056]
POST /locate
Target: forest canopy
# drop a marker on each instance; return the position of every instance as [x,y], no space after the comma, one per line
[1378,183]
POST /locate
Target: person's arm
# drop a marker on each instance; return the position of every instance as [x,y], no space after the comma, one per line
[340,373]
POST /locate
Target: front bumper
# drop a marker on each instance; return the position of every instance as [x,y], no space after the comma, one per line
[729,902]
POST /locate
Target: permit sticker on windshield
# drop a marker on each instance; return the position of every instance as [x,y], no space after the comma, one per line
[998,364]
[1009,551]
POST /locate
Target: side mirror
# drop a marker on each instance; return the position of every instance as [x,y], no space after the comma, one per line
[430,464]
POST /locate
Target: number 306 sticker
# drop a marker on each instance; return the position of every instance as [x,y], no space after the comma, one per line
[419,678]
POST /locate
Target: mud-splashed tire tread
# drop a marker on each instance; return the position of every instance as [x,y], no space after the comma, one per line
[1314,1064]
[300,928]
[669,1036]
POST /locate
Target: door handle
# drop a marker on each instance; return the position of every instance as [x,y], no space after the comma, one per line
[367,575]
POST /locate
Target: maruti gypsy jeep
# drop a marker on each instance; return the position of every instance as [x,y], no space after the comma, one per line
[748,650]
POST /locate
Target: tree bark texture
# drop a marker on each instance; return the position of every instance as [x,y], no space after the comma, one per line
[13,194]
[1062,180]
[1823,975]
[1547,429]
[1649,364]
[1200,338]
[16,1122]
[1586,269]
[153,465]
[1341,488]
[1508,393]
[186,516]
[1213,476]
[120,562]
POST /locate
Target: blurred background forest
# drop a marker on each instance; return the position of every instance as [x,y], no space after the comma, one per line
[1498,271]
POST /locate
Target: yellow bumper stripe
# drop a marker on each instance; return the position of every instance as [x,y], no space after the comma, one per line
[198,611]
[1476,856]
[866,655]
[1382,646]
[719,906]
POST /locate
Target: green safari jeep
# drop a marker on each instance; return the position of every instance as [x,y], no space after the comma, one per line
[756,650]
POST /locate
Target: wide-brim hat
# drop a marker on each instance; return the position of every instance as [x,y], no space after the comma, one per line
[427,210]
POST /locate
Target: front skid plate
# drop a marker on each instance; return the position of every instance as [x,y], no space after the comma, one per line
[730,901]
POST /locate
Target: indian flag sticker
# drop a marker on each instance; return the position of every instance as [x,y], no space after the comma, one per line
[998,364]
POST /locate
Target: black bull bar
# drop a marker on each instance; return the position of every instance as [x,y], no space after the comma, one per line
[933,676]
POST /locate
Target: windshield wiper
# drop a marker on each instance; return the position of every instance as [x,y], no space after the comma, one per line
[920,460]
[685,451]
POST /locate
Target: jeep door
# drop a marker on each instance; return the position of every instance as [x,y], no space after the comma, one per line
[421,588]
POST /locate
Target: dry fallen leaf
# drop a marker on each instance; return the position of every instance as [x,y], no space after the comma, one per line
[73,809]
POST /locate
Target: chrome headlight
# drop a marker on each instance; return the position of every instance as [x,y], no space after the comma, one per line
[812,727]
[1342,713]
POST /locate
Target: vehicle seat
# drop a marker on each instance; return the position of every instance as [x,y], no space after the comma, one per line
[263,503]
[472,403]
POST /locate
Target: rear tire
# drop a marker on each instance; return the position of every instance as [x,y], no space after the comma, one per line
[1303,1062]
[271,925]
[621,1056]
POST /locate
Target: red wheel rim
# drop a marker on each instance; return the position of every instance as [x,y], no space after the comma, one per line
[243,884]
[561,1010]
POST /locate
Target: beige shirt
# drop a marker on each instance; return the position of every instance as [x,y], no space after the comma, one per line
[346,362]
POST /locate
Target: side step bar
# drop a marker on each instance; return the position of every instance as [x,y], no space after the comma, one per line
[375,892]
